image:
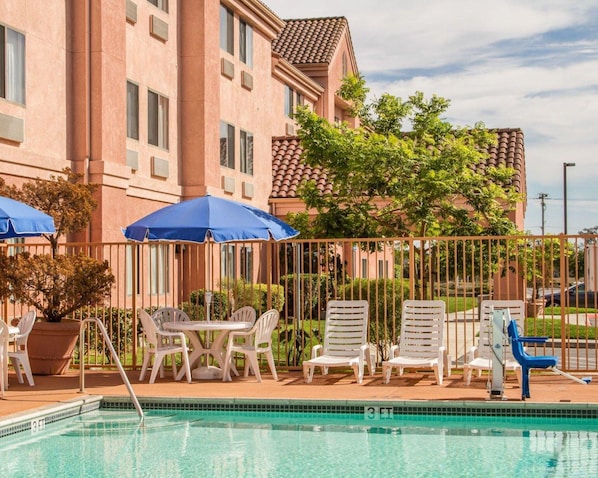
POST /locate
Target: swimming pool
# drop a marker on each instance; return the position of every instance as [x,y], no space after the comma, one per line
[231,443]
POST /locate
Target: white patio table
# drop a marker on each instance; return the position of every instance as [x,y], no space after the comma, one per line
[220,329]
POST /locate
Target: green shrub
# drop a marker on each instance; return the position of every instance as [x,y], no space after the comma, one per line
[219,307]
[256,295]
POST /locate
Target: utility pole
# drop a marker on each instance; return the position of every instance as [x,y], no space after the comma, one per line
[542,197]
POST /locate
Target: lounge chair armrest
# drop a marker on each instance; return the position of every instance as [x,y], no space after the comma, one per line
[394,351]
[441,353]
[472,353]
[363,350]
[316,350]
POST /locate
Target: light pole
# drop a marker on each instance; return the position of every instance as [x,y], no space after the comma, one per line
[565,166]
[542,197]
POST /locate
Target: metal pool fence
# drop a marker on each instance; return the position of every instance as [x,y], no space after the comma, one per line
[554,275]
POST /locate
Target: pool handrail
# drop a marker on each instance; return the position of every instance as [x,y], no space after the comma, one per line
[123,375]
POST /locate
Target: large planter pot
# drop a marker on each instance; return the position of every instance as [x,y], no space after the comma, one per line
[51,346]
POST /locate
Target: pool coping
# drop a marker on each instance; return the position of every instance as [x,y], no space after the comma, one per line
[35,420]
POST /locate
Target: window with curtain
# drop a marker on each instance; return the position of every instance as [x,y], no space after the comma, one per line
[227,145]
[159,268]
[246,43]
[246,152]
[157,120]
[132,110]
[246,263]
[226,30]
[227,261]
[12,65]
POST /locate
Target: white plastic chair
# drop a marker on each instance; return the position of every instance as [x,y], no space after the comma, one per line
[244,314]
[345,340]
[19,357]
[160,344]
[479,357]
[256,341]
[169,314]
[421,343]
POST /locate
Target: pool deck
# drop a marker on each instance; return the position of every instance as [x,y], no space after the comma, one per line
[52,390]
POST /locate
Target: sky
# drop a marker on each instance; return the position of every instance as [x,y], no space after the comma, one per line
[528,64]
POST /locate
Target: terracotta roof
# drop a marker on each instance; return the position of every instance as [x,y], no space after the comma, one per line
[288,171]
[310,40]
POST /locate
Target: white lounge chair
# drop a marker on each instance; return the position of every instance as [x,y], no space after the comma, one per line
[479,356]
[256,341]
[345,340]
[421,343]
[160,344]
[19,356]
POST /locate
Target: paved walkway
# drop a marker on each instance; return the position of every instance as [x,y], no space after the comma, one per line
[51,390]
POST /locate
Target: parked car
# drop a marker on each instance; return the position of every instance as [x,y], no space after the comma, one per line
[576,296]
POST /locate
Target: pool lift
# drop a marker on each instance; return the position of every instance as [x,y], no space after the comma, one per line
[501,318]
[499,340]
[114,355]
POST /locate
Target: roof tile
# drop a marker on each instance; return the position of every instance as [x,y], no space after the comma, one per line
[310,40]
[288,171]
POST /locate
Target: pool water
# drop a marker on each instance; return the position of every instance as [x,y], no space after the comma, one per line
[255,444]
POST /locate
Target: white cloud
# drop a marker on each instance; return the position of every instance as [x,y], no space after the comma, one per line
[512,64]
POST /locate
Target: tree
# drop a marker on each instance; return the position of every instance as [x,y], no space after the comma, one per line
[390,183]
[69,201]
[56,284]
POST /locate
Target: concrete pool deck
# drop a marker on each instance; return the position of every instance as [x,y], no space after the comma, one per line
[545,388]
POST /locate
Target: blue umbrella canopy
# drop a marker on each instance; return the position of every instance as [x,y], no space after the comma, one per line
[20,220]
[209,218]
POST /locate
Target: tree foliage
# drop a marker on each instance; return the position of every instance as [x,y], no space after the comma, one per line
[387,182]
[68,200]
[56,284]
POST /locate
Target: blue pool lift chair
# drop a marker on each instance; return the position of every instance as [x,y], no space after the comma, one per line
[528,361]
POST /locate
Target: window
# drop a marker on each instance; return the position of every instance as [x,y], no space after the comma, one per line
[227,261]
[247,263]
[382,269]
[246,43]
[246,150]
[291,100]
[161,4]
[12,65]
[132,110]
[288,101]
[364,268]
[227,145]
[226,30]
[157,120]
[133,260]
[158,267]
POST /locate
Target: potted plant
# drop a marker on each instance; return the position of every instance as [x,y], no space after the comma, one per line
[56,284]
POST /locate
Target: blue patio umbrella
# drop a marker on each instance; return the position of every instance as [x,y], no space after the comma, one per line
[20,220]
[209,218]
